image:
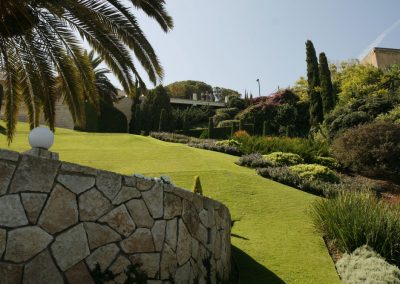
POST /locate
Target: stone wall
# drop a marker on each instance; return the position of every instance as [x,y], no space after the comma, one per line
[58,220]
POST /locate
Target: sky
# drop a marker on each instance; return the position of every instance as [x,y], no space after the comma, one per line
[232,43]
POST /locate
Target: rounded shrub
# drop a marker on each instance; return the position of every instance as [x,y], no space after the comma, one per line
[241,134]
[329,162]
[227,123]
[284,159]
[371,149]
[315,172]
[364,265]
[230,142]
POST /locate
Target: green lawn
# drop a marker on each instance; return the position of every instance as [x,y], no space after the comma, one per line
[274,239]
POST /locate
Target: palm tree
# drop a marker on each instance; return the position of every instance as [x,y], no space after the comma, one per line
[41,48]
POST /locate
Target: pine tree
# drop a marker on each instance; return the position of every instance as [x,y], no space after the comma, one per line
[210,127]
[326,84]
[163,125]
[197,188]
[316,108]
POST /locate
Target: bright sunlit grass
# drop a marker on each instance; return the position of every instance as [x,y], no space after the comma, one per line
[274,235]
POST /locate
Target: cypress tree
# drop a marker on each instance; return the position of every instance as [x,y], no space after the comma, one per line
[232,129]
[197,188]
[210,127]
[241,126]
[163,125]
[136,126]
[326,84]
[316,109]
[185,126]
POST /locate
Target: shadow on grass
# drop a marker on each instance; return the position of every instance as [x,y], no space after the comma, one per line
[2,130]
[250,271]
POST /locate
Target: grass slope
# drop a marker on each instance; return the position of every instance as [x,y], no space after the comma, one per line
[274,239]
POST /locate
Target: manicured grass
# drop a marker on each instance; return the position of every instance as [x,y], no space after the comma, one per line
[274,238]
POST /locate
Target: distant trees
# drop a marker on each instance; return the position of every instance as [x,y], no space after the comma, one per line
[316,108]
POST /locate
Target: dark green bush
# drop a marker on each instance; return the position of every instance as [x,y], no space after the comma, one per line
[351,220]
[306,148]
[372,150]
[112,120]
[91,119]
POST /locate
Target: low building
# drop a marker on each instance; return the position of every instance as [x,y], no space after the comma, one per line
[382,57]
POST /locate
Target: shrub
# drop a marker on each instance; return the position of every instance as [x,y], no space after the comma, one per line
[372,150]
[170,137]
[112,120]
[241,133]
[211,145]
[281,174]
[306,148]
[284,159]
[365,265]
[197,188]
[220,117]
[231,112]
[156,100]
[315,172]
[254,160]
[329,162]
[231,142]
[351,220]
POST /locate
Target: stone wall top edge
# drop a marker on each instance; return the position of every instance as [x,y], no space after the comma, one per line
[68,167]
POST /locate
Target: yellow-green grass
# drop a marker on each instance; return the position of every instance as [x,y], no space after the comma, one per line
[274,238]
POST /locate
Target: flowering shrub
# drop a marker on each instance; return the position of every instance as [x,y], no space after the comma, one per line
[315,172]
[283,159]
[254,160]
[240,134]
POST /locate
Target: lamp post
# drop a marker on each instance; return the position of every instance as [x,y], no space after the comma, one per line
[259,88]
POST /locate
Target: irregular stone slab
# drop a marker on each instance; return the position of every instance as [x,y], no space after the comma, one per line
[99,235]
[33,204]
[202,235]
[183,193]
[168,263]
[182,274]
[207,218]
[120,220]
[130,181]
[140,241]
[103,256]
[26,242]
[34,175]
[70,247]
[6,173]
[144,184]
[126,194]
[10,273]
[3,236]
[79,274]
[12,212]
[74,168]
[195,249]
[171,237]
[149,263]
[108,183]
[158,232]
[183,250]
[42,270]
[9,155]
[76,183]
[119,267]
[60,211]
[154,201]
[198,202]
[172,206]
[93,205]
[140,215]
[190,217]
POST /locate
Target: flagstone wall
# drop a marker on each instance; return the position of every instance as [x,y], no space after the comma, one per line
[59,220]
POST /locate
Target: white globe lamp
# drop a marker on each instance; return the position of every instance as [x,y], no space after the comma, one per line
[41,137]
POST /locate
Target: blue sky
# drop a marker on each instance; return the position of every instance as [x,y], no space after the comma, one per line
[231,43]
